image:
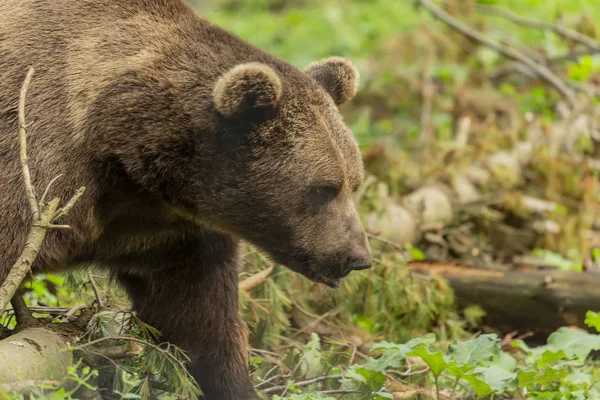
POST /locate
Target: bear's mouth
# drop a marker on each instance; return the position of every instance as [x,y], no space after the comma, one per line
[331,280]
[333,283]
[330,274]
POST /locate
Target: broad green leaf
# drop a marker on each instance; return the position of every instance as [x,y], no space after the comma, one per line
[497,378]
[481,388]
[505,361]
[480,350]
[436,361]
[395,354]
[575,344]
[312,361]
[373,379]
[532,377]
[580,378]
[388,359]
[488,380]
[550,357]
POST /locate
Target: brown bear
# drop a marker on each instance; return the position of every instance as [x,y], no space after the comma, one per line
[188,140]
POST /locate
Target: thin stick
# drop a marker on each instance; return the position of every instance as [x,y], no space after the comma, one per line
[557,28]
[255,280]
[303,383]
[69,206]
[33,204]
[43,199]
[96,290]
[541,70]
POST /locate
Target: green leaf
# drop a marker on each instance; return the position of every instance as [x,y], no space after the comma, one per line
[312,364]
[406,347]
[373,379]
[394,354]
[388,359]
[592,319]
[382,396]
[550,357]
[575,344]
[505,361]
[481,388]
[530,378]
[436,361]
[497,378]
[580,378]
[415,253]
[480,350]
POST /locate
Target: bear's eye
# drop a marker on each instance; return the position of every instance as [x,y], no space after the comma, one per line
[320,195]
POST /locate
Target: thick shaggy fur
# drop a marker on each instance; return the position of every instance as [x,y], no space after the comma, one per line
[188,139]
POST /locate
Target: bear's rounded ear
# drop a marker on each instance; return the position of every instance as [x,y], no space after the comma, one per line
[337,75]
[245,87]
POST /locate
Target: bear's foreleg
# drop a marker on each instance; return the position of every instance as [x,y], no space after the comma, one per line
[193,300]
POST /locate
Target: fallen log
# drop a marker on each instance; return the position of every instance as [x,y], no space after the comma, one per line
[34,354]
[537,300]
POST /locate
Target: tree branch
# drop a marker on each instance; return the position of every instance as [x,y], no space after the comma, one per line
[43,215]
[33,204]
[541,70]
[557,28]
[22,313]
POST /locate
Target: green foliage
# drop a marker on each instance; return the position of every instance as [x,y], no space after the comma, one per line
[368,300]
[477,367]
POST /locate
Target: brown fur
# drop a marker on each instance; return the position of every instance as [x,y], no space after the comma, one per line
[188,139]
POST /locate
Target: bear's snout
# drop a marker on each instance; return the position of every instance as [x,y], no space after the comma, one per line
[360,255]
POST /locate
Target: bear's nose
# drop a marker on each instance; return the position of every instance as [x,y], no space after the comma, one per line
[359,264]
[359,256]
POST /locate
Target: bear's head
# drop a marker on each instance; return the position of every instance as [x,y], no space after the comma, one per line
[289,166]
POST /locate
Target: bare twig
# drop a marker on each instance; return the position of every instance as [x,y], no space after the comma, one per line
[340,391]
[70,314]
[95,289]
[43,199]
[427,92]
[557,28]
[30,191]
[69,206]
[307,382]
[541,70]
[255,280]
